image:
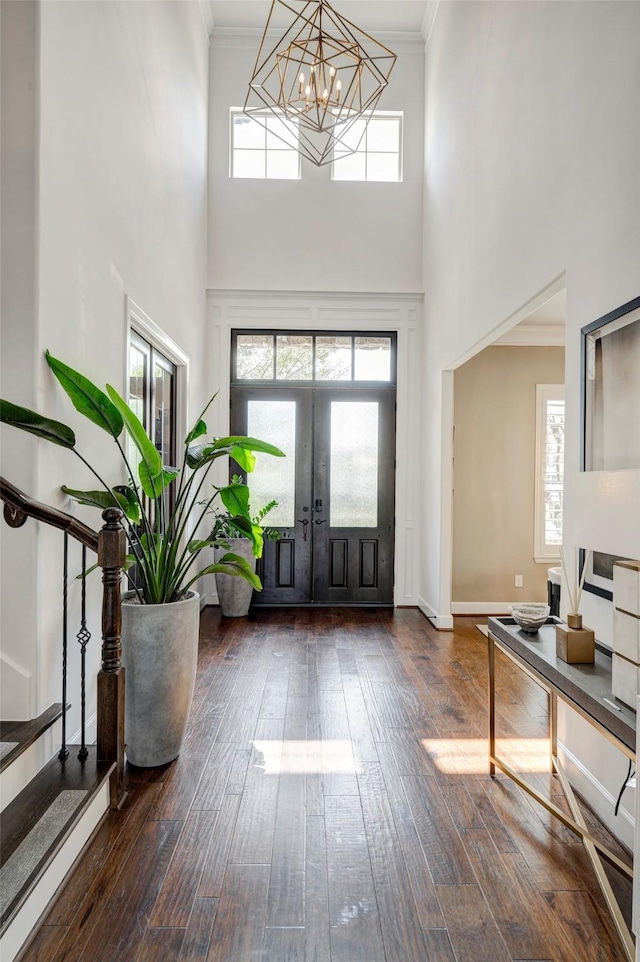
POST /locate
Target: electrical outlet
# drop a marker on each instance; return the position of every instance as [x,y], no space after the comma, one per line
[519,580]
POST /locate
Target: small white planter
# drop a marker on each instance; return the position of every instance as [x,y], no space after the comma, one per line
[234,593]
[159,653]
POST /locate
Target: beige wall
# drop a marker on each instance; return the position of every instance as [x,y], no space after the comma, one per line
[493,502]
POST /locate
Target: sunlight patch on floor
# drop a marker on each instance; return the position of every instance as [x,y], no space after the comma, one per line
[322,757]
[470,756]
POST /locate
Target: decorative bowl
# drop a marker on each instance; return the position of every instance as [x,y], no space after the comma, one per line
[530,617]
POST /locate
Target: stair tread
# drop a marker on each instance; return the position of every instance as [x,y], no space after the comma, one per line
[21,734]
[38,821]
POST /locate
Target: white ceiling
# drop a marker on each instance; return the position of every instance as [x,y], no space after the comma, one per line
[370,15]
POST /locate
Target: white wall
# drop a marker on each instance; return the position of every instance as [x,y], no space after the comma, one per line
[532,159]
[495,470]
[315,234]
[120,208]
[18,172]
[532,169]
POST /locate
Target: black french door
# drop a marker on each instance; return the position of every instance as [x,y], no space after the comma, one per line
[335,490]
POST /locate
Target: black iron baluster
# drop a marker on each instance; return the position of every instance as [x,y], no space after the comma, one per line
[64,751]
[83,637]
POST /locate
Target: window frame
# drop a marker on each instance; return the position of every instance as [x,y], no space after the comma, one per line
[238,111]
[374,115]
[542,551]
[351,384]
[140,324]
[155,357]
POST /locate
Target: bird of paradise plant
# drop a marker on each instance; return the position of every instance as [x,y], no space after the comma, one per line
[158,527]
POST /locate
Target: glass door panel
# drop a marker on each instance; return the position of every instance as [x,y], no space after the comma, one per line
[281,416]
[354,454]
[353,525]
[274,478]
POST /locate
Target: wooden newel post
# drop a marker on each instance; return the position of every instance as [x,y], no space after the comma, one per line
[111,557]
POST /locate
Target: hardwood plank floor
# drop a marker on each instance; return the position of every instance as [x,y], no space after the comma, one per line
[332,804]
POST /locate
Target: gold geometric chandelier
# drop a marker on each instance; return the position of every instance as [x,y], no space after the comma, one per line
[322,79]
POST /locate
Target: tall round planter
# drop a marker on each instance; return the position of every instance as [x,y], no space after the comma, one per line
[159,653]
[234,593]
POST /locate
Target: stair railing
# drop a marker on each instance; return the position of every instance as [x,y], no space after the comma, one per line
[110,546]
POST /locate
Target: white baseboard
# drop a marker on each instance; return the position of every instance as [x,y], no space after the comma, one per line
[26,766]
[441,622]
[598,797]
[480,607]
[27,918]
[15,690]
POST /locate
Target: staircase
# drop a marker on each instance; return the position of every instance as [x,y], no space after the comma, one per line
[53,795]
[45,822]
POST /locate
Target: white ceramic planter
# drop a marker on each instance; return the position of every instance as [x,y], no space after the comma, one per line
[159,653]
[234,593]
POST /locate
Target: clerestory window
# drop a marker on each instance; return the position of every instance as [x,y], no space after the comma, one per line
[263,148]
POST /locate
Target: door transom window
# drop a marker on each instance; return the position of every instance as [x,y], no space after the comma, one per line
[279,356]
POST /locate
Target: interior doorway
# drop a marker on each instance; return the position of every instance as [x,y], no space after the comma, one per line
[507,460]
[328,400]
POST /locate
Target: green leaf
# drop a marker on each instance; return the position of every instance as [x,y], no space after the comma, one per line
[153,487]
[257,537]
[195,546]
[34,423]
[243,525]
[238,447]
[132,511]
[233,564]
[196,432]
[86,397]
[150,543]
[235,498]
[150,455]
[104,499]
[250,444]
[200,454]
[245,459]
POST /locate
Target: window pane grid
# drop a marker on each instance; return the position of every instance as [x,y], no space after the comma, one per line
[317,358]
[259,152]
[554,472]
[549,471]
[382,141]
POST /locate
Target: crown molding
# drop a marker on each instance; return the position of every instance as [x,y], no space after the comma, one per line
[206,12]
[430,15]
[533,335]
[316,296]
[247,38]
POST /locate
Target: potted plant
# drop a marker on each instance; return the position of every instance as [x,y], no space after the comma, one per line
[161,612]
[237,530]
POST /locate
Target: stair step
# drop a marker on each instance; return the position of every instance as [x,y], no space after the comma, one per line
[38,822]
[17,736]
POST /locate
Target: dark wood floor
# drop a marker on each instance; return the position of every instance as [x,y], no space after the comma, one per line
[331,804]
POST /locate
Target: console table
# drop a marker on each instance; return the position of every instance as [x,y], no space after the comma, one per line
[587,691]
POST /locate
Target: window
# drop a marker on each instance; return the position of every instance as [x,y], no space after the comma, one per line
[152,395]
[378,156]
[549,471]
[288,356]
[264,148]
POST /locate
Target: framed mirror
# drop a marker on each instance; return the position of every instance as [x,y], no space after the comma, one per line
[611,390]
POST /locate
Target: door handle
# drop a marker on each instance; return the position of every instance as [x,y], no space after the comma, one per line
[321,520]
[304,522]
